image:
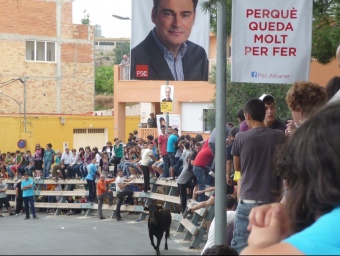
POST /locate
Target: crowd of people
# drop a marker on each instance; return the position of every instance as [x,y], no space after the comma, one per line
[303,176]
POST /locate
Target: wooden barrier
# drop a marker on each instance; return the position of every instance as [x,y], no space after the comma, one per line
[195,229]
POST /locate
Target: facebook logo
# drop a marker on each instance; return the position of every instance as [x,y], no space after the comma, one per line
[254,74]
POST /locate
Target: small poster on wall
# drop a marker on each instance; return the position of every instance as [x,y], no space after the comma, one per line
[174,122]
[167,97]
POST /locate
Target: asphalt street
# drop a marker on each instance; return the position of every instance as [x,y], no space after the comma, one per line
[79,235]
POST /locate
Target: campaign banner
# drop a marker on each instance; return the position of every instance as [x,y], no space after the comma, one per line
[170,25]
[271,41]
[167,98]
[174,122]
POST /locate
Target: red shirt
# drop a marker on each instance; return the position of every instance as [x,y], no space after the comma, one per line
[162,141]
[204,157]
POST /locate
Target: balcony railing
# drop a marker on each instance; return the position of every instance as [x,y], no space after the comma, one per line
[124,72]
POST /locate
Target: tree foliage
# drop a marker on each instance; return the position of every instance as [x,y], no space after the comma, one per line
[326,26]
[104,79]
[240,93]
[122,48]
[86,19]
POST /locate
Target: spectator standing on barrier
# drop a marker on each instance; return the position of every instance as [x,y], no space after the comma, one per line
[91,179]
[122,192]
[38,160]
[171,150]
[162,144]
[185,178]
[19,200]
[48,160]
[3,198]
[253,155]
[211,144]
[66,160]
[146,158]
[203,159]
[103,192]
[117,155]
[27,186]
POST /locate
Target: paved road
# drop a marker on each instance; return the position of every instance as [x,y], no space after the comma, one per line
[79,235]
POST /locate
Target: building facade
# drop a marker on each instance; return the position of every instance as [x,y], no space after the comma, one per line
[39,41]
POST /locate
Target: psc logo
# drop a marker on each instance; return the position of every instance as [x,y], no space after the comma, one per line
[142,71]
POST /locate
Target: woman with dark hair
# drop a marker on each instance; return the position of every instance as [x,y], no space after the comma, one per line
[309,220]
[117,155]
[38,160]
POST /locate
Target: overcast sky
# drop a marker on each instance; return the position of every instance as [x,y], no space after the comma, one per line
[101,13]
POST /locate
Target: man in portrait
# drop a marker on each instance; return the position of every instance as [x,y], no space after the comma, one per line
[166,53]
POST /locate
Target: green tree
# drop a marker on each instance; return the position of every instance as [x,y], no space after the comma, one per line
[326,26]
[86,19]
[104,79]
[122,48]
[240,93]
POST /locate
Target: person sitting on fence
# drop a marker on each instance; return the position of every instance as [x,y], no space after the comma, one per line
[3,173]
[210,201]
[57,166]
[70,170]
[3,198]
[17,163]
[66,159]
[88,156]
[10,161]
[31,164]
[103,192]
[79,163]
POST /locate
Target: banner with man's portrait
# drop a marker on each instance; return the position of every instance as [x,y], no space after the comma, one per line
[169,41]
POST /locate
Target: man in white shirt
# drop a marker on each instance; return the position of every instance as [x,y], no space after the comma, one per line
[121,189]
[66,160]
[146,157]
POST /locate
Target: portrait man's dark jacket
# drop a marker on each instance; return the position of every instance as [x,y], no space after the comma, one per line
[195,63]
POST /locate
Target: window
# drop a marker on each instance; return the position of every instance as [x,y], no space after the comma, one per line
[40,51]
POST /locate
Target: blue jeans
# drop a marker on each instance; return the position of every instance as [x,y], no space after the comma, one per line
[241,234]
[47,168]
[172,158]
[30,200]
[166,161]
[200,174]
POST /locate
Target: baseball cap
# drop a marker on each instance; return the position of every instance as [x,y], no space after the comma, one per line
[266,97]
